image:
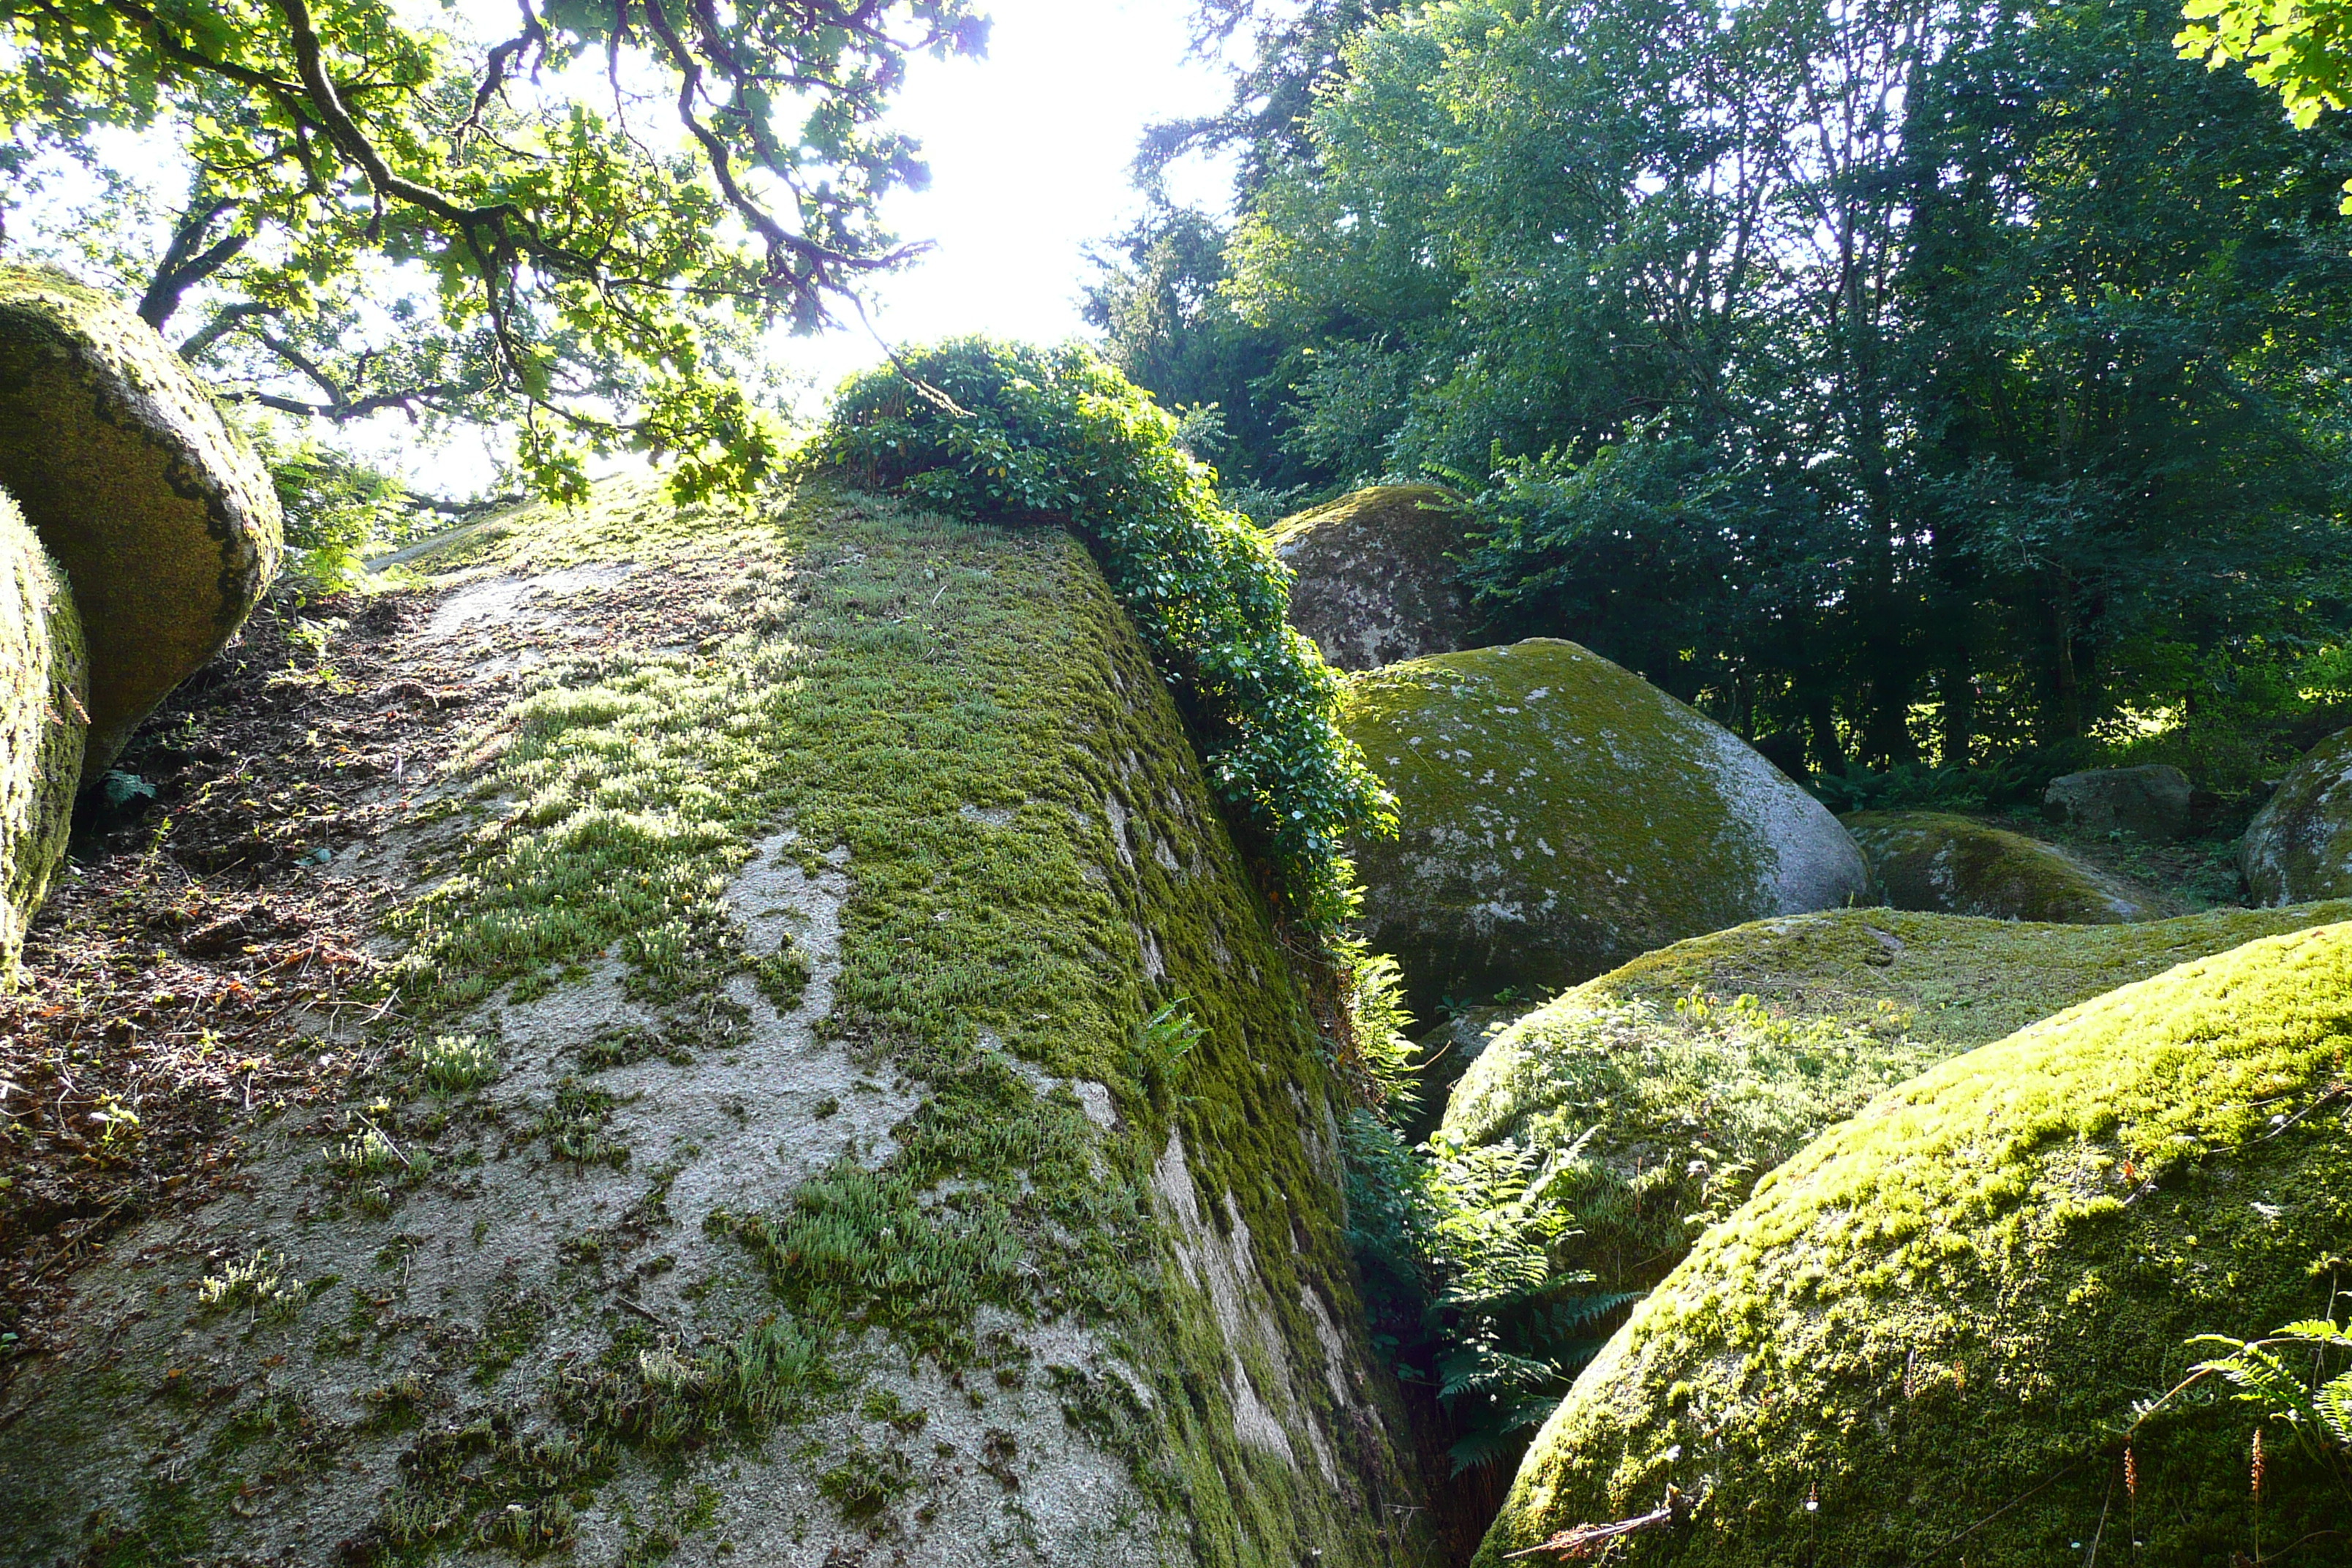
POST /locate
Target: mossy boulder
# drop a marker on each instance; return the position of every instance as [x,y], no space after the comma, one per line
[1670,1087]
[2299,845]
[1376,583]
[41,726]
[843,1100]
[165,520]
[1956,865]
[1559,815]
[2153,801]
[1935,1323]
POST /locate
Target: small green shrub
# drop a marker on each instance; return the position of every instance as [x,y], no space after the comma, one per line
[1012,434]
[455,1062]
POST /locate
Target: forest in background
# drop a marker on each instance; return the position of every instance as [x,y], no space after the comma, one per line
[1912,386]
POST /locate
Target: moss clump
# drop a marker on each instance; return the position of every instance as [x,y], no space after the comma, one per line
[1374,578]
[41,726]
[1559,815]
[1951,864]
[165,520]
[1933,1324]
[2299,846]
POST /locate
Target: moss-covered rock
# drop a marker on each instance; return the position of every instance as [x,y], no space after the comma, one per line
[41,726]
[1559,815]
[165,520]
[1692,1072]
[1375,583]
[2153,800]
[847,1103]
[1933,1325]
[1956,866]
[2299,846]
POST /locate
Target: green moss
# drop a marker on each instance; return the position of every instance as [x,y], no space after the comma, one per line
[41,726]
[165,520]
[1559,816]
[1932,1325]
[1937,861]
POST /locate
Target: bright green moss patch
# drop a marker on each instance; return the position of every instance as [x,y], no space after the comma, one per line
[1952,865]
[1933,1324]
[1558,815]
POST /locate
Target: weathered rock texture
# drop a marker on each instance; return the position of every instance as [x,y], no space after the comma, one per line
[2299,846]
[1954,866]
[1375,584]
[1934,1322]
[165,520]
[1670,1087]
[1560,815]
[774,1157]
[43,669]
[2151,801]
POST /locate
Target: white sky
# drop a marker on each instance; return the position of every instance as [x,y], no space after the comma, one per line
[1029,150]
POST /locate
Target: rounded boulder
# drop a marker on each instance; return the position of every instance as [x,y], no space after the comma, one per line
[1375,582]
[1559,816]
[1940,1319]
[165,520]
[2152,801]
[2299,846]
[41,726]
[1951,864]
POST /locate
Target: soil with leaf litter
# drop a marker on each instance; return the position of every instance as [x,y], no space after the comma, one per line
[194,944]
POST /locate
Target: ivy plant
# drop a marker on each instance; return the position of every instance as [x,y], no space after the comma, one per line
[1009,432]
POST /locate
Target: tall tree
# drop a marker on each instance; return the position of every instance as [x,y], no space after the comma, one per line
[581,221]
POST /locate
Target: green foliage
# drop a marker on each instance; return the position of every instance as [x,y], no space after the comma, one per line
[2317,1409]
[2302,49]
[1995,405]
[371,207]
[336,507]
[1004,432]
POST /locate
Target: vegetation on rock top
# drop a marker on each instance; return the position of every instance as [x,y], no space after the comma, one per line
[1007,433]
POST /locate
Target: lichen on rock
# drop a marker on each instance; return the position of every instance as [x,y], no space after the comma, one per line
[2299,845]
[1935,1322]
[1375,581]
[165,520]
[773,1158]
[1558,816]
[41,726]
[1954,864]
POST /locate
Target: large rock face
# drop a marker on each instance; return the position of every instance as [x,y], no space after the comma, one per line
[2153,801]
[1374,582]
[1934,860]
[1934,1321]
[2299,846]
[165,522]
[788,1142]
[1560,815]
[43,669]
[1668,1087]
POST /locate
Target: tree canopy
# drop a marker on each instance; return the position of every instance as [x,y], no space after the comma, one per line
[581,221]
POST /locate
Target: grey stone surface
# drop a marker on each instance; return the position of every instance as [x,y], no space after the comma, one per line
[2151,801]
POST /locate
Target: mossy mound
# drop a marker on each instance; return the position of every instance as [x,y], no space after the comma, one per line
[41,726]
[1694,1071]
[1956,866]
[1558,815]
[846,1102]
[1931,1327]
[165,520]
[1375,581]
[2299,846]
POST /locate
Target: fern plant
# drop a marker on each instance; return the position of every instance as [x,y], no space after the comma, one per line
[2316,1407]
